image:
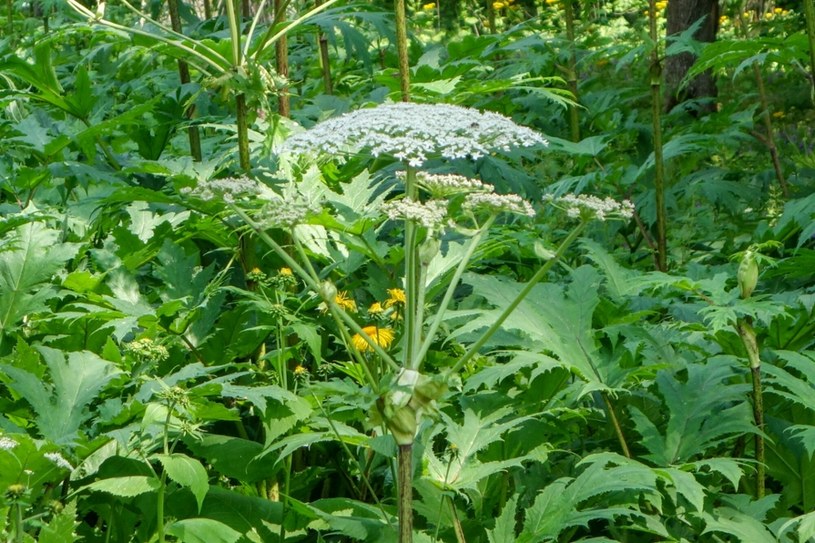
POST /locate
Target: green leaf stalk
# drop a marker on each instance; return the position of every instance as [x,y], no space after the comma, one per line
[656,123]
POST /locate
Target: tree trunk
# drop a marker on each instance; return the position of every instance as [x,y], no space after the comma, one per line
[681,15]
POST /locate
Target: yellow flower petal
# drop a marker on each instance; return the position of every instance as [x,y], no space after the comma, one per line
[381,336]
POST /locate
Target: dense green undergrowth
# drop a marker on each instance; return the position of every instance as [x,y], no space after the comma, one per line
[214,350]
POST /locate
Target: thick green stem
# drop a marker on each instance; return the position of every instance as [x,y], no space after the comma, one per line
[473,350]
[748,338]
[402,49]
[809,12]
[458,529]
[612,415]
[413,327]
[325,60]
[659,162]
[160,508]
[18,523]
[282,62]
[243,133]
[184,76]
[405,488]
[571,76]
[769,140]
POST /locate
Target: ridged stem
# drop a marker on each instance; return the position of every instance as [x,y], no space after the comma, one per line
[659,162]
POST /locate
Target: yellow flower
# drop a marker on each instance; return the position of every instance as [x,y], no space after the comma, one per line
[779,114]
[376,307]
[396,296]
[778,11]
[428,7]
[342,300]
[550,2]
[661,5]
[286,272]
[381,336]
[300,370]
[498,5]
[723,19]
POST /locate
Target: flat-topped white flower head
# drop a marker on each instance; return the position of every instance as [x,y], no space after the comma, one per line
[445,185]
[587,206]
[430,214]
[412,133]
[230,189]
[498,203]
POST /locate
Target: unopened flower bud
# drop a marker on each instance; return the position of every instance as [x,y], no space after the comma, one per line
[748,274]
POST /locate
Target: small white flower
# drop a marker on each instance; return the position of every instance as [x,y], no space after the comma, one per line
[59,461]
[497,203]
[287,212]
[445,185]
[7,444]
[430,214]
[413,133]
[587,206]
[230,189]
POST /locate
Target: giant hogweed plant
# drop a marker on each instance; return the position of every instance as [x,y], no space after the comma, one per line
[439,212]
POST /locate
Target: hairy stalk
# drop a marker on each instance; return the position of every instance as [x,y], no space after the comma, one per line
[571,75]
[809,12]
[233,16]
[325,60]
[561,250]
[162,489]
[413,327]
[18,522]
[616,423]
[458,529]
[243,133]
[405,491]
[184,76]
[748,338]
[659,162]
[402,49]
[769,137]
[282,61]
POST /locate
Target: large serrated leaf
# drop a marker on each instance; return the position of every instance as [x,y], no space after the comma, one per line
[61,407]
[562,325]
[30,256]
[703,410]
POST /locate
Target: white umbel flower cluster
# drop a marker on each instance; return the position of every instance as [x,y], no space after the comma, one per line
[445,185]
[430,214]
[59,461]
[7,444]
[287,212]
[413,133]
[498,203]
[586,206]
[229,189]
